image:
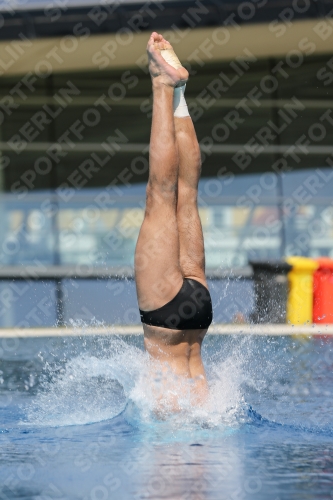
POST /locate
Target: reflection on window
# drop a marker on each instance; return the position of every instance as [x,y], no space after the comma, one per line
[42,228]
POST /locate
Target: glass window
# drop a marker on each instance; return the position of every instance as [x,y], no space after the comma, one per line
[308,214]
[28,231]
[27,303]
[107,301]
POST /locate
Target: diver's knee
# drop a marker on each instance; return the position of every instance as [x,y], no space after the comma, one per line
[161,193]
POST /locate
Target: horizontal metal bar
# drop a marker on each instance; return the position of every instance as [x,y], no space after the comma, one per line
[89,272]
[65,272]
[90,147]
[244,272]
[87,147]
[286,149]
[218,329]
[37,6]
[137,101]
[82,198]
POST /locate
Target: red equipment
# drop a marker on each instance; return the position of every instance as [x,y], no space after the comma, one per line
[323,291]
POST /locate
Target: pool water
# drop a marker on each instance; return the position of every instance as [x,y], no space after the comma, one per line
[77,422]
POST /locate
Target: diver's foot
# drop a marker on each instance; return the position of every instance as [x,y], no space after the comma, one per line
[161,72]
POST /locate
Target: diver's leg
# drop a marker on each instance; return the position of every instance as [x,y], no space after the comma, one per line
[197,371]
[192,256]
[157,270]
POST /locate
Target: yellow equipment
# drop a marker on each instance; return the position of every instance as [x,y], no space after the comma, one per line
[300,297]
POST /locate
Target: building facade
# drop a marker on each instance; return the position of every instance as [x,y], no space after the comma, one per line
[75,114]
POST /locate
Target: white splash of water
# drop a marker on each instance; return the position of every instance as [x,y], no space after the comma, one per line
[89,389]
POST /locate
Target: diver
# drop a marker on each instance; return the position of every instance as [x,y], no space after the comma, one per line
[173,297]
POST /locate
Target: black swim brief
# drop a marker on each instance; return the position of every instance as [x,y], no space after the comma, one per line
[190,309]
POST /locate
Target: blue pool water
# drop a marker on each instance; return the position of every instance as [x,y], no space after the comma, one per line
[76,422]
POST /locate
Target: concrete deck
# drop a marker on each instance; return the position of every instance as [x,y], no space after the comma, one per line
[222,329]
